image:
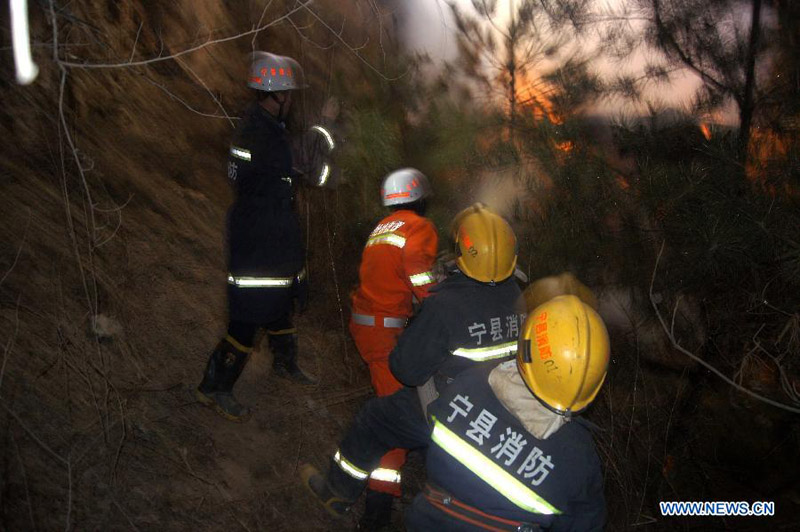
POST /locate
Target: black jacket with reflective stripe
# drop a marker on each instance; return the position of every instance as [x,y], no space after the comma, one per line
[564,470]
[264,235]
[459,313]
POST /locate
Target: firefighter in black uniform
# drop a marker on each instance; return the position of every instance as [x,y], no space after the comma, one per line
[470,318]
[266,256]
[507,451]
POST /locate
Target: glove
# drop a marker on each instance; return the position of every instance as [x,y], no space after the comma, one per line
[300,294]
[445,265]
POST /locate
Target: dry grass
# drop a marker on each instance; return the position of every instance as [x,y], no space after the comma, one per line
[103,433]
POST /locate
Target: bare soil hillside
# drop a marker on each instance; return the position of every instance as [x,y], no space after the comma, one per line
[112,283]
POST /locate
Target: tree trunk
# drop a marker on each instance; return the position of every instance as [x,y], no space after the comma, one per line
[746,104]
[512,86]
[512,72]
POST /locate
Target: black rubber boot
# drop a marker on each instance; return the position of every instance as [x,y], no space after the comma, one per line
[216,390]
[284,351]
[336,504]
[377,512]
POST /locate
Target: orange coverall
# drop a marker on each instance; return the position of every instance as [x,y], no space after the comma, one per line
[395,268]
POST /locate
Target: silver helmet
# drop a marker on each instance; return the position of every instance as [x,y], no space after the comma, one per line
[273,73]
[406,185]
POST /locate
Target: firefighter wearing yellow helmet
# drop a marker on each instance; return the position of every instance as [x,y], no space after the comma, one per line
[508,452]
[544,289]
[469,320]
[564,354]
[486,248]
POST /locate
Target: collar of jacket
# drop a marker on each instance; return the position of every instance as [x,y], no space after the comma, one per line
[457,279]
[263,115]
[508,386]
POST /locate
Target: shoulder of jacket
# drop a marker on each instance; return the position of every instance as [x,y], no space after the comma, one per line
[447,293]
[579,438]
[588,426]
[391,217]
[432,304]
[247,131]
[421,225]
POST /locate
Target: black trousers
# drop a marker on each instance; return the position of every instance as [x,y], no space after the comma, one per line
[281,335]
[383,423]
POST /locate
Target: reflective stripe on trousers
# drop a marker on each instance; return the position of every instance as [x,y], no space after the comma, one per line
[388,322]
[385,475]
[352,470]
[382,474]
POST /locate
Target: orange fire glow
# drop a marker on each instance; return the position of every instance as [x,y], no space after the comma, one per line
[705,130]
[536,99]
[766,147]
[566,146]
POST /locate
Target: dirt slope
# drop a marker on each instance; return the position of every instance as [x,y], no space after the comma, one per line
[99,430]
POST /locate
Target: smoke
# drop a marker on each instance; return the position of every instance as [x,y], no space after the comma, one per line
[507,189]
[427,27]
[499,191]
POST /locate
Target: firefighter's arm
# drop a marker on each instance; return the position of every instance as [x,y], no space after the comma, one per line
[240,159]
[419,256]
[421,349]
[313,156]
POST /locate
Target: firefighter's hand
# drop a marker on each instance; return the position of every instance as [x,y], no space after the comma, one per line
[300,293]
[330,111]
[444,265]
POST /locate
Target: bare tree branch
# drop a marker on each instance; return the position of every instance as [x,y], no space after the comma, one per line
[210,93]
[209,42]
[353,50]
[699,360]
[30,433]
[184,103]
[258,24]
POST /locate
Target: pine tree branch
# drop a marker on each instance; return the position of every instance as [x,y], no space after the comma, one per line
[669,42]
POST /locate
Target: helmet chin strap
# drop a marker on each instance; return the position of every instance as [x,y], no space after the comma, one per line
[274,96]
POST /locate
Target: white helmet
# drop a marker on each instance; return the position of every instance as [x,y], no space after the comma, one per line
[273,73]
[406,185]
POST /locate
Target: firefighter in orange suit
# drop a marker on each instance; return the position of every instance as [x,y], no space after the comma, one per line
[395,272]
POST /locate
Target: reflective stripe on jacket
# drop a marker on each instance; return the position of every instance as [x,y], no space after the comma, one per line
[264,235]
[461,324]
[264,238]
[486,458]
[266,282]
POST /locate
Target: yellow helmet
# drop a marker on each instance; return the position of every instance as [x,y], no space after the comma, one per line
[546,288]
[563,354]
[486,248]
